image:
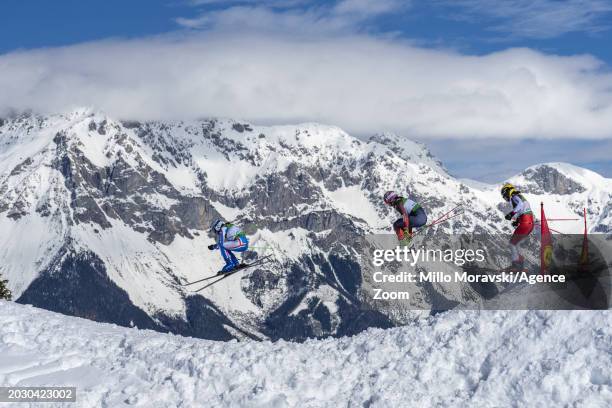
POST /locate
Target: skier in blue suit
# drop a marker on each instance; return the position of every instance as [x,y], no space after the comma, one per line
[230,239]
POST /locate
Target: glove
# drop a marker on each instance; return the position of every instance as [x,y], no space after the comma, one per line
[212,247]
[515,223]
[509,216]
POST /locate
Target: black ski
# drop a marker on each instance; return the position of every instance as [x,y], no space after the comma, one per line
[218,274]
[239,268]
[200,280]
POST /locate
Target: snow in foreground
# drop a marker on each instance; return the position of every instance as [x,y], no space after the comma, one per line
[459,358]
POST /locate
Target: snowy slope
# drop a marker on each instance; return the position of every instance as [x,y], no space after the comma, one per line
[105,219]
[455,359]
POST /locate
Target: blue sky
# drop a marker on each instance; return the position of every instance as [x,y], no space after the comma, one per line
[527,76]
[438,23]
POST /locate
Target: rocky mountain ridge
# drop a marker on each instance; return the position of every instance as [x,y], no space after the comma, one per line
[105,219]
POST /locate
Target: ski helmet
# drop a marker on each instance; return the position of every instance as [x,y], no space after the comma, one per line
[217,225]
[507,190]
[390,197]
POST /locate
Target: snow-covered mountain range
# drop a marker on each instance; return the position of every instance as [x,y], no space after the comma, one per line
[105,219]
[459,358]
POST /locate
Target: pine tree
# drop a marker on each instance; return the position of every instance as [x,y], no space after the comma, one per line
[5,292]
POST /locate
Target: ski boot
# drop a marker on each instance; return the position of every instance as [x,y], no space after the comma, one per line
[517,266]
[407,239]
[229,267]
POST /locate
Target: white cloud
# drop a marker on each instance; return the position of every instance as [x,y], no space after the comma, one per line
[247,19]
[267,3]
[368,8]
[292,17]
[539,18]
[308,69]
